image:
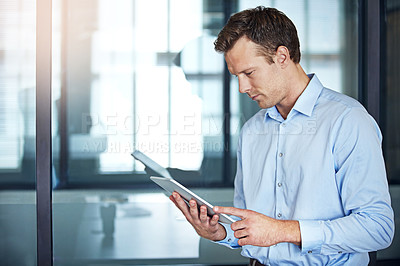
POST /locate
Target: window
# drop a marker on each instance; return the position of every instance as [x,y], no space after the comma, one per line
[17,132]
[17,92]
[128,76]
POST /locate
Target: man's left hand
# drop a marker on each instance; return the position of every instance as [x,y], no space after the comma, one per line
[260,230]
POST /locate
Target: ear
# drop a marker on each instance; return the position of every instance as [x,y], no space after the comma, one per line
[282,56]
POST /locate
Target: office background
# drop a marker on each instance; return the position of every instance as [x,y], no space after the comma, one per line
[126,74]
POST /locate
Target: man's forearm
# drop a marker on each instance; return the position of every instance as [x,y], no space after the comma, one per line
[291,232]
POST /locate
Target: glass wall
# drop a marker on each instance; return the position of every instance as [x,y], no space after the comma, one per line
[17,132]
[143,75]
[137,75]
[130,76]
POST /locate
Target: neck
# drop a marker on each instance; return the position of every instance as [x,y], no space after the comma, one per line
[297,81]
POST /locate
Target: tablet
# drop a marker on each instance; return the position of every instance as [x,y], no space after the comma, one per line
[138,155]
[171,185]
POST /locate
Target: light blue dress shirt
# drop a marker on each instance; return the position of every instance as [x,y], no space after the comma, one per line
[322,166]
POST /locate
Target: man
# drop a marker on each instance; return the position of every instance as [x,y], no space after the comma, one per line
[311,186]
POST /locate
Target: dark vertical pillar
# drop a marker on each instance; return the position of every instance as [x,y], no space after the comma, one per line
[43,133]
[370,63]
[228,9]
[371,15]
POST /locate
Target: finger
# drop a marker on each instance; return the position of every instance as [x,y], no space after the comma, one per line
[171,197]
[178,199]
[194,212]
[231,211]
[238,225]
[244,241]
[214,220]
[181,204]
[173,201]
[241,233]
[203,214]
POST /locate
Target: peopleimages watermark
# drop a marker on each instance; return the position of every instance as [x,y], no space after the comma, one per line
[184,133]
[187,124]
[146,124]
[93,146]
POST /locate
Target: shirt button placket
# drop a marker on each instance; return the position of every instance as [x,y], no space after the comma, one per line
[279,192]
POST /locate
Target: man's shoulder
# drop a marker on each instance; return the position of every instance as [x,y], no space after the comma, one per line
[335,105]
[343,110]
[337,99]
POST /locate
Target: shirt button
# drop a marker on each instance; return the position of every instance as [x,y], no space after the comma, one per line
[229,240]
[310,251]
[283,124]
[280,154]
[279,215]
[279,184]
[340,252]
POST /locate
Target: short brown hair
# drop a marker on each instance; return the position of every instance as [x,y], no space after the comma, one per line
[267,27]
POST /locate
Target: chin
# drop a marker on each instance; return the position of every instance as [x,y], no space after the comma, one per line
[263,105]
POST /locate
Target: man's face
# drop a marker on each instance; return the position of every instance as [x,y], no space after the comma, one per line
[261,81]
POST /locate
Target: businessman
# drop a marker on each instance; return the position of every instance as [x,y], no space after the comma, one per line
[310,187]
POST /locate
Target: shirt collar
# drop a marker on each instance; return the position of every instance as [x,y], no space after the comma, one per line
[305,103]
[273,113]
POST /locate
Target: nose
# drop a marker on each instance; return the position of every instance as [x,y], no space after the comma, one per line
[244,85]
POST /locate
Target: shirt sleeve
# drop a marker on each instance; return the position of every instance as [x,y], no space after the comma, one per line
[362,184]
[230,240]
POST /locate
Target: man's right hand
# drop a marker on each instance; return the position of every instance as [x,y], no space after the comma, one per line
[205,226]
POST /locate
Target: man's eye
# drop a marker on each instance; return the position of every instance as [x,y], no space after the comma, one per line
[249,73]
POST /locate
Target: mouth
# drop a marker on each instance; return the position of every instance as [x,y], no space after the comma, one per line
[254,98]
